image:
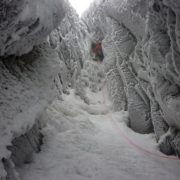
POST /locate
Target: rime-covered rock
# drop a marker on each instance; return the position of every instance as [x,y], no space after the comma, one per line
[26,23]
[69,40]
[42,49]
[141,39]
[118,50]
[44,46]
[27,87]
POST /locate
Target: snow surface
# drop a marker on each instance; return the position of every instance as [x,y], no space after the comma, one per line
[83,142]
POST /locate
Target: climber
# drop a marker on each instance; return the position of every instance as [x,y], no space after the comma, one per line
[97,51]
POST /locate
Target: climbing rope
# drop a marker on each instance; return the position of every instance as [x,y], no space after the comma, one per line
[130,141]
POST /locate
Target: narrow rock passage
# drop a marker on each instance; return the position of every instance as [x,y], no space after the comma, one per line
[81,143]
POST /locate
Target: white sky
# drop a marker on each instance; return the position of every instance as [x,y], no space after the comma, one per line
[80,5]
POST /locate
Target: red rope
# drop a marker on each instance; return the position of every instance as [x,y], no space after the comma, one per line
[132,143]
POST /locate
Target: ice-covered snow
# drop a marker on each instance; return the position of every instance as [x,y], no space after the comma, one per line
[83,142]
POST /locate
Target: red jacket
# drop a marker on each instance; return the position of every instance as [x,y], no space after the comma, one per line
[98,48]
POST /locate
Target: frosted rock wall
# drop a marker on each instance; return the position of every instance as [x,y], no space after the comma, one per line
[41,55]
[22,21]
[44,45]
[141,47]
[70,41]
[27,87]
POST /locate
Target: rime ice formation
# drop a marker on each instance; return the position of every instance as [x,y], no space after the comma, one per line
[141,47]
[42,53]
[45,51]
[24,23]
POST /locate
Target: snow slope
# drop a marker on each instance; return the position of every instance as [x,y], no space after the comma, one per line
[81,142]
